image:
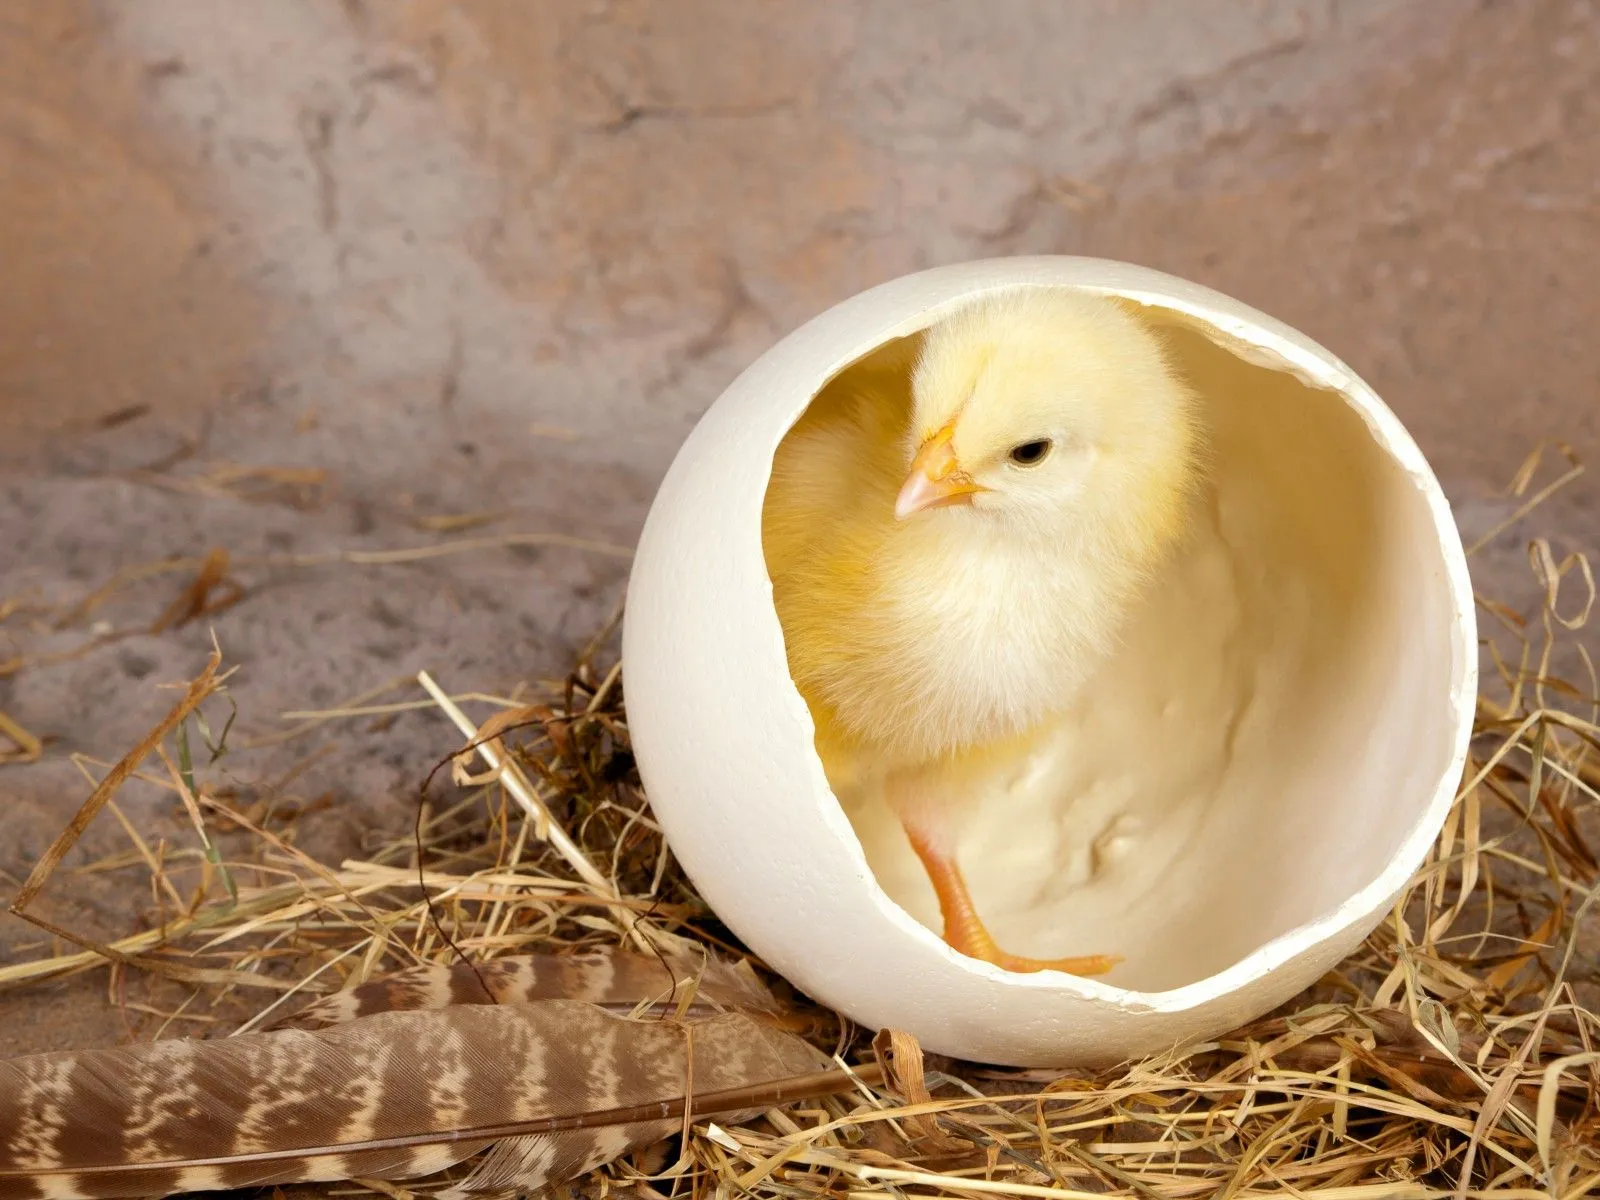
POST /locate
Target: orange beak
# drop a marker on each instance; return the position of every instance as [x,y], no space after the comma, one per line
[936,478]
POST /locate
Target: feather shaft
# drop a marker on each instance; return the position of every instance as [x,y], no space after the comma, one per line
[617,979]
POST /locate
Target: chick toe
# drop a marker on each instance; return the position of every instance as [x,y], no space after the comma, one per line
[965,931]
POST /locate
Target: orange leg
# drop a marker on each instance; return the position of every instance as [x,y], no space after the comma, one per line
[963,928]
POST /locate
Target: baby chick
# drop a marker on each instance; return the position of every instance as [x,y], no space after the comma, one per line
[948,572]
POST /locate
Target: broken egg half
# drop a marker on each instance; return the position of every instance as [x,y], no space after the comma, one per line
[1238,798]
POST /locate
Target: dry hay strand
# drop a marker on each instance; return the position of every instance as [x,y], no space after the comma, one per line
[1456,1054]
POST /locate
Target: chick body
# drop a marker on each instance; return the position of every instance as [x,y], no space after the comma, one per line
[1045,453]
[918,641]
[907,643]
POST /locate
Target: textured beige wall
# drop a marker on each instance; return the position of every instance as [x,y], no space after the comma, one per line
[496,256]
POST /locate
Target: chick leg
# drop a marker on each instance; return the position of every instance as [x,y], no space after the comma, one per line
[927,826]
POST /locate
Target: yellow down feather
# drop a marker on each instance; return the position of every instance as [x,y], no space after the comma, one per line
[962,629]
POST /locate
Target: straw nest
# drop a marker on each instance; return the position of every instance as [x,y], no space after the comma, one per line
[1456,1054]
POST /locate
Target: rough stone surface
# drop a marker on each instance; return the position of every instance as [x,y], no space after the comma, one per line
[487,256]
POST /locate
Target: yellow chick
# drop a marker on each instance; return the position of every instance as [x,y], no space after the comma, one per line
[949,569]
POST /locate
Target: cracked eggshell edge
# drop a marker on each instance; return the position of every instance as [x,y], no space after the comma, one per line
[724,740]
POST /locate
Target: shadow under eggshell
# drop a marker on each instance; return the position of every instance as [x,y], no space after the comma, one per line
[1235,804]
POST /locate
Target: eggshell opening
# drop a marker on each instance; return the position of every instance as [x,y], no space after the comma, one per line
[1242,791]
[1229,773]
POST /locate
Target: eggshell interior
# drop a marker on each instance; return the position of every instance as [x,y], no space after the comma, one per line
[1236,800]
[1230,773]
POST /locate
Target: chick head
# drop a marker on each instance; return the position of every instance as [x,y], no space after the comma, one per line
[1047,408]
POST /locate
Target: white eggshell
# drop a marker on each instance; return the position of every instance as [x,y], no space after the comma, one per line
[1245,790]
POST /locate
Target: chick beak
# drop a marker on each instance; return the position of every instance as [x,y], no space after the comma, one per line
[936,478]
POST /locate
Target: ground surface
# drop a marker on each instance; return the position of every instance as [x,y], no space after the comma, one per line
[490,257]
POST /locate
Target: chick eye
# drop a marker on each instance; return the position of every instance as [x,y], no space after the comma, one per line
[1030,454]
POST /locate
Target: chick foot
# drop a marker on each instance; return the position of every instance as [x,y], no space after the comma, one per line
[965,931]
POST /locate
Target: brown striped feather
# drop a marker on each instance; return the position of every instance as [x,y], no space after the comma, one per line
[543,1091]
[617,980]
